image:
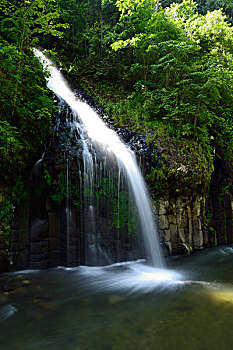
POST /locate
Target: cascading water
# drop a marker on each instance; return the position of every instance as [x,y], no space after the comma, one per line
[96,137]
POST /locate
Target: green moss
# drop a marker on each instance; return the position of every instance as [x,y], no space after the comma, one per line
[215,238]
[182,165]
[182,162]
[61,188]
[124,212]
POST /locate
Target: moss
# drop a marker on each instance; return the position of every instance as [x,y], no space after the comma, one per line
[182,165]
[225,227]
[215,238]
[177,162]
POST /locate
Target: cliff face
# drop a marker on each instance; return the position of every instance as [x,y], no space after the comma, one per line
[220,203]
[187,223]
[195,209]
[191,223]
[182,225]
[192,199]
[58,224]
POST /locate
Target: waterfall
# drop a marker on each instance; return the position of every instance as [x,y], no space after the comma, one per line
[97,138]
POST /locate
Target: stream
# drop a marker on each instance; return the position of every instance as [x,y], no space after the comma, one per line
[124,306]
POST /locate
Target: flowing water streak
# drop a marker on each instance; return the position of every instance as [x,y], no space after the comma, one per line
[101,134]
[68,212]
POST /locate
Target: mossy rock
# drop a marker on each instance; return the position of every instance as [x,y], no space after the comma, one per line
[183,167]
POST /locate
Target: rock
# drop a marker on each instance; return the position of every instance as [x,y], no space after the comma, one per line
[113,299]
[26,282]
[181,225]
[37,265]
[19,291]
[45,305]
[38,230]
[163,222]
[38,248]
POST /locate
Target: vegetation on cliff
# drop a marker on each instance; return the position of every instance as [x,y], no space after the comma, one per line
[164,68]
[26,104]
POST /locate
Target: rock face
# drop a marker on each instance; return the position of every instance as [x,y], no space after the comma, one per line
[4,239]
[48,228]
[220,203]
[59,225]
[196,221]
[55,236]
[39,237]
[19,238]
[4,263]
[182,224]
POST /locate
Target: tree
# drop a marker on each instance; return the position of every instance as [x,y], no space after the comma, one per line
[23,113]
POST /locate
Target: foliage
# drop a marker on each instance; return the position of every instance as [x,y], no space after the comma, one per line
[164,70]
[118,200]
[26,104]
[203,6]
[11,198]
[173,65]
[61,188]
[123,210]
[182,165]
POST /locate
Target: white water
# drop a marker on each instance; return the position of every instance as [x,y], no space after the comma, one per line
[132,277]
[6,312]
[108,139]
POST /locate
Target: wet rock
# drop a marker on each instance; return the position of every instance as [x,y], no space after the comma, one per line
[45,305]
[19,291]
[3,298]
[15,236]
[37,265]
[38,230]
[180,223]
[26,282]
[113,299]
[38,248]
